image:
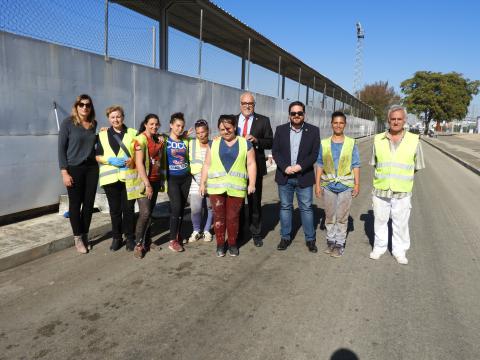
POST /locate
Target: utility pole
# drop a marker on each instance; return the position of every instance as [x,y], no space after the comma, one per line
[358,72]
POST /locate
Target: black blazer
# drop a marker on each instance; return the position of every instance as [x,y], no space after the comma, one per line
[262,130]
[307,154]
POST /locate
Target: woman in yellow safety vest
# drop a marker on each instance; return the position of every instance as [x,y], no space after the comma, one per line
[338,180]
[114,154]
[149,147]
[228,174]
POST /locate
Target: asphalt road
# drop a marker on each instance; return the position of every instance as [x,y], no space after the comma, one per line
[265,304]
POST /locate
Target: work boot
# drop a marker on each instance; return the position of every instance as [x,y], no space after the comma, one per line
[116,244]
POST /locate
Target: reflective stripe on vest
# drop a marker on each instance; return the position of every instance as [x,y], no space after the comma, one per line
[344,173]
[196,161]
[234,183]
[109,174]
[395,171]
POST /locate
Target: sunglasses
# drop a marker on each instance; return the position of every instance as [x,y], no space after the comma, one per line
[299,113]
[84,105]
[201,123]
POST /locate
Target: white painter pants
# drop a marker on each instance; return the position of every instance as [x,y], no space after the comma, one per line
[399,211]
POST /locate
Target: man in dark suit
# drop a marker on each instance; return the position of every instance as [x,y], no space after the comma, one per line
[257,129]
[295,150]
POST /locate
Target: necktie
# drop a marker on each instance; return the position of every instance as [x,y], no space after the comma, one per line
[245,127]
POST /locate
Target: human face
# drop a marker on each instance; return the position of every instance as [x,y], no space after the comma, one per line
[396,120]
[84,107]
[177,127]
[247,104]
[152,126]
[338,125]
[227,131]
[202,134]
[296,120]
[116,119]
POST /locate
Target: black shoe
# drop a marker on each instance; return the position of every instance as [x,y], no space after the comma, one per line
[283,244]
[130,245]
[116,244]
[311,246]
[258,242]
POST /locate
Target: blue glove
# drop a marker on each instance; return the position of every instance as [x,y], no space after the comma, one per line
[114,161]
[124,166]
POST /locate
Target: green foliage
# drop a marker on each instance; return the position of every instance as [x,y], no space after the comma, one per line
[437,96]
[380,97]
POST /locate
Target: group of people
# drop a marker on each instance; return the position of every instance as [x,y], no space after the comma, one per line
[219,174]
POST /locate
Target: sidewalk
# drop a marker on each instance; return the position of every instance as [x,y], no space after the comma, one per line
[463,148]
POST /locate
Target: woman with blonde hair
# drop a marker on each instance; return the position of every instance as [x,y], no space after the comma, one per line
[76,157]
[115,148]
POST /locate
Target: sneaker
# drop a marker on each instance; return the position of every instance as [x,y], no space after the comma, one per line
[402,259]
[79,244]
[233,251]
[139,251]
[220,251]
[283,244]
[329,249]
[207,236]
[337,251]
[375,255]
[175,246]
[195,237]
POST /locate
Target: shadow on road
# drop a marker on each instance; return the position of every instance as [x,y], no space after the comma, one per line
[368,220]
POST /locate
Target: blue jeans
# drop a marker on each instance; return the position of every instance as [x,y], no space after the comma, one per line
[304,198]
[197,204]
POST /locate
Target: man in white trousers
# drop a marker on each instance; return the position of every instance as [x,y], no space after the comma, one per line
[397,155]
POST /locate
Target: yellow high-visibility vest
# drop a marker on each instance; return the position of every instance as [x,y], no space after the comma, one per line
[234,183]
[344,173]
[395,171]
[110,174]
[195,156]
[134,184]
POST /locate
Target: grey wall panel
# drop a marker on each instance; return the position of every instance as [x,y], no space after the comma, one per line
[33,74]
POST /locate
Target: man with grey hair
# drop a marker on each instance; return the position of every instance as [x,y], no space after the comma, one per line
[255,128]
[397,155]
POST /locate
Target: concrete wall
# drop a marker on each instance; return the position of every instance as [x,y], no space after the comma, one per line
[33,74]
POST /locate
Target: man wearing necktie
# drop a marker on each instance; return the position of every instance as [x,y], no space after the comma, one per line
[255,128]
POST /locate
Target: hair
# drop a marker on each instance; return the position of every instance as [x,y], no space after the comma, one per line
[396,108]
[177,116]
[229,119]
[143,125]
[247,93]
[113,108]
[339,114]
[296,103]
[200,123]
[74,113]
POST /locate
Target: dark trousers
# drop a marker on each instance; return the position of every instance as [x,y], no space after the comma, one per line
[226,213]
[254,210]
[178,188]
[145,205]
[122,210]
[81,196]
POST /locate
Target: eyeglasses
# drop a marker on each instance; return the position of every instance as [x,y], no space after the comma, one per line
[299,113]
[247,103]
[84,105]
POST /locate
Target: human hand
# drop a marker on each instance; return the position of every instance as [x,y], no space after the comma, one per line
[67,180]
[188,132]
[318,191]
[251,138]
[114,161]
[297,168]
[202,190]
[251,189]
[356,190]
[148,191]
[104,128]
[289,170]
[129,163]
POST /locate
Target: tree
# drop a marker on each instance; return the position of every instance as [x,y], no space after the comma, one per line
[437,96]
[379,96]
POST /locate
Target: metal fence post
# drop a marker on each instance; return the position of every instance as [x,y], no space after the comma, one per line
[334,101]
[279,76]
[248,66]
[324,95]
[299,79]
[200,40]
[106,31]
[154,47]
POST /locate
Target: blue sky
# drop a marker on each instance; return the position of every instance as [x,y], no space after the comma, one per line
[401,36]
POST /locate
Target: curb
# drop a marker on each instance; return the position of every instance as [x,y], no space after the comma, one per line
[454,157]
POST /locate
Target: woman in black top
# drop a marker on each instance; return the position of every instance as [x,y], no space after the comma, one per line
[76,157]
